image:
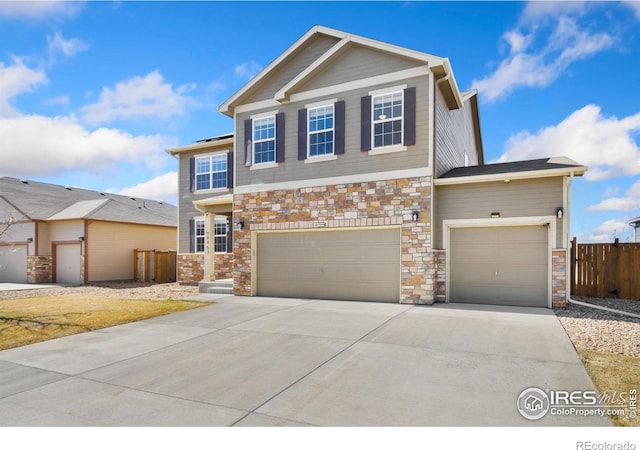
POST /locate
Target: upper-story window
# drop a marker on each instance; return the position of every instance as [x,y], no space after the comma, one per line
[321,130]
[211,172]
[264,140]
[387,119]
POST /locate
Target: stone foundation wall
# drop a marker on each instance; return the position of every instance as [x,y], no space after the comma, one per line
[190,267]
[440,257]
[559,278]
[223,266]
[352,205]
[39,269]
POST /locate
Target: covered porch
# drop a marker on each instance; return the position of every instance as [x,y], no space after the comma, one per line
[215,239]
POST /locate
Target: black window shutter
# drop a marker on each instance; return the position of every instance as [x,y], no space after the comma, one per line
[302,134]
[248,139]
[192,236]
[229,235]
[192,174]
[365,122]
[280,137]
[410,116]
[230,170]
[339,127]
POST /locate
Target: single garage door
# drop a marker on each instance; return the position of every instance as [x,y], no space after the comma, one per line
[499,265]
[342,265]
[13,263]
[68,263]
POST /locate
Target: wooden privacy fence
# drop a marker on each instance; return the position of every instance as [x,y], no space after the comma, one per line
[606,270]
[154,266]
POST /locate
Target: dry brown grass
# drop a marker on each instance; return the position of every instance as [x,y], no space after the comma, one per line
[614,373]
[29,320]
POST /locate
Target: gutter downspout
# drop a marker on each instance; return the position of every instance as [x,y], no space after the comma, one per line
[568,237]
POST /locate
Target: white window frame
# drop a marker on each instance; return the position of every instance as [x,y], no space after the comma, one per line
[197,237]
[324,130]
[254,141]
[212,172]
[375,121]
[220,220]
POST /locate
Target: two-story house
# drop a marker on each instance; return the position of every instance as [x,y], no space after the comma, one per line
[359,175]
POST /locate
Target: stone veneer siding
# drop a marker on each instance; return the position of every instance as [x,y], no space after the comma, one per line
[559,278]
[344,206]
[223,266]
[190,267]
[39,269]
[440,257]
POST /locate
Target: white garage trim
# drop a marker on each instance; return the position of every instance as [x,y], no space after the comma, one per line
[447,225]
[254,247]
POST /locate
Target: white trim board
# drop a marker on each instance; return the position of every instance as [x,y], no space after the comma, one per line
[329,181]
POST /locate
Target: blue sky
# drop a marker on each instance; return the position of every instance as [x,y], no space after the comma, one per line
[92,93]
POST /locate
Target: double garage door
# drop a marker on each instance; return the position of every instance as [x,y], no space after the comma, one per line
[342,265]
[499,265]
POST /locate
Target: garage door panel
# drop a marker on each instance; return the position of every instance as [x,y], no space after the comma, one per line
[68,263]
[13,263]
[499,265]
[346,265]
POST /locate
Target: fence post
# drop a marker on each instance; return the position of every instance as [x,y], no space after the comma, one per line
[573,266]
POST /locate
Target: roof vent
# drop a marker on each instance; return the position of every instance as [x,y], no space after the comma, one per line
[133,198]
[68,188]
[102,193]
[24,181]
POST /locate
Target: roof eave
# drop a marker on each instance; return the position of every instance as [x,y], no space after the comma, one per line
[197,146]
[509,176]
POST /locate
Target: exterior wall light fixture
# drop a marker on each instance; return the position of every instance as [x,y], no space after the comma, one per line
[559,212]
[81,238]
[415,215]
[240,225]
[495,215]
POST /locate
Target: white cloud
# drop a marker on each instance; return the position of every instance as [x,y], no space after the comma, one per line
[162,188]
[40,10]
[139,97]
[631,201]
[527,67]
[537,11]
[605,144]
[17,79]
[67,47]
[36,145]
[247,70]
[611,229]
[634,5]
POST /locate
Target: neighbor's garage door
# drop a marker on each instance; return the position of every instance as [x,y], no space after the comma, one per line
[13,263]
[68,263]
[342,265]
[499,265]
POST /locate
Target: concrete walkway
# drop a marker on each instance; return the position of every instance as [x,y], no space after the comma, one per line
[270,361]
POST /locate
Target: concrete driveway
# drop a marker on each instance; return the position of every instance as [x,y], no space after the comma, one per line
[270,361]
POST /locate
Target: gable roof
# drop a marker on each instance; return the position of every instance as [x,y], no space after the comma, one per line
[51,202]
[438,65]
[534,168]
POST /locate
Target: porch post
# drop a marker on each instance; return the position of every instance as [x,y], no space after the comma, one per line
[209,247]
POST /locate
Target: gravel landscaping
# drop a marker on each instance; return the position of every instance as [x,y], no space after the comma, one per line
[125,289]
[602,331]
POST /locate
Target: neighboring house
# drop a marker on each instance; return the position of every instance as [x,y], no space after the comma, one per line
[635,223]
[359,175]
[71,235]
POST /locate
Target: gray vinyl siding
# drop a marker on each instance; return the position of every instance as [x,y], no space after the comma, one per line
[519,198]
[454,136]
[288,71]
[186,210]
[353,161]
[355,64]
